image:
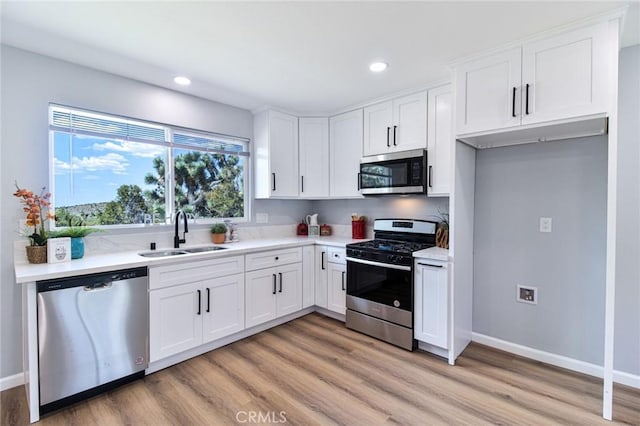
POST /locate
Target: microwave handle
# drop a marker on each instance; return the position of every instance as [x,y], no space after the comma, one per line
[358,181]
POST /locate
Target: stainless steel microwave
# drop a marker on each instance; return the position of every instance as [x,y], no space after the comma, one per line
[396,173]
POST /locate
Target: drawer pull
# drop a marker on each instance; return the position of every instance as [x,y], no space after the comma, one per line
[428,264]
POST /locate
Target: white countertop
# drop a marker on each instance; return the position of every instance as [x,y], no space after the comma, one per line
[26,272]
[434,253]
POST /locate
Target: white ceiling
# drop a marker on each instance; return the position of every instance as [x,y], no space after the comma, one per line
[305,57]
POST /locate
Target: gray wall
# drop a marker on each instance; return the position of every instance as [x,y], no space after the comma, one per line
[412,207]
[515,186]
[627,319]
[28,83]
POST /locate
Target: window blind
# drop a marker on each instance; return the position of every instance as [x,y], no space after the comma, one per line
[88,123]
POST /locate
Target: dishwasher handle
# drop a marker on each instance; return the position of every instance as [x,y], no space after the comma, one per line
[91,280]
[98,286]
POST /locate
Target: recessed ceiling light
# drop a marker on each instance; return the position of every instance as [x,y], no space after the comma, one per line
[181,80]
[378,66]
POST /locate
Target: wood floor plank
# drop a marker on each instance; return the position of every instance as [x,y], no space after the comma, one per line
[314,371]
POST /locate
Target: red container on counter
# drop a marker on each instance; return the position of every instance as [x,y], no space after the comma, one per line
[358,229]
[302,229]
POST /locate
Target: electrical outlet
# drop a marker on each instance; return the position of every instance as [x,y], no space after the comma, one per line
[262,217]
[545,224]
[527,294]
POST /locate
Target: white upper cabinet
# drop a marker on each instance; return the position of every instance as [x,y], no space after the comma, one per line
[345,151]
[485,92]
[557,78]
[396,125]
[314,157]
[378,122]
[275,155]
[440,141]
[410,121]
[566,76]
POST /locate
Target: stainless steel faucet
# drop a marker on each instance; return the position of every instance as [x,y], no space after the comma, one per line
[176,237]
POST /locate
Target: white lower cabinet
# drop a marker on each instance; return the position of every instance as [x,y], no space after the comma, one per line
[272,293]
[331,278]
[337,288]
[308,276]
[174,325]
[431,309]
[223,305]
[322,277]
[188,308]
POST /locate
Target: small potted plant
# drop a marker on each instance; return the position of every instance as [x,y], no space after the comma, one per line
[77,234]
[218,233]
[37,209]
[442,234]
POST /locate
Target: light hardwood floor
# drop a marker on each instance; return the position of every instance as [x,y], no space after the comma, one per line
[315,371]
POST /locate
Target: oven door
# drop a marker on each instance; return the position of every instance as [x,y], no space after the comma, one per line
[380,290]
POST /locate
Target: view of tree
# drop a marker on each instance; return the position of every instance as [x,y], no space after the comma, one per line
[113,214]
[206,185]
[155,197]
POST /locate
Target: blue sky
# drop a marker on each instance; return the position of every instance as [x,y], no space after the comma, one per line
[90,170]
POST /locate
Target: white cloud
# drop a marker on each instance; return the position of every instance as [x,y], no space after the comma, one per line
[91,177]
[113,162]
[136,149]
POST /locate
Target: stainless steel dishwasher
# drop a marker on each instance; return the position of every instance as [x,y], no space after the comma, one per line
[92,334]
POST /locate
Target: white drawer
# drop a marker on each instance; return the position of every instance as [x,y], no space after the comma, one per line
[188,272]
[337,255]
[268,259]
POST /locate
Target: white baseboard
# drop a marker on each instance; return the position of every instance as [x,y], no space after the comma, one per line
[11,381]
[627,379]
[572,364]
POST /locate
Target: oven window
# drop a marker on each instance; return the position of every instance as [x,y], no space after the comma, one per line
[387,286]
[384,175]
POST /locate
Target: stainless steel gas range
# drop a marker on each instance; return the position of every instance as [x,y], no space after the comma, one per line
[380,279]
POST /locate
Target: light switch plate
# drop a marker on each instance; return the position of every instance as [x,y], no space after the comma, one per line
[545,224]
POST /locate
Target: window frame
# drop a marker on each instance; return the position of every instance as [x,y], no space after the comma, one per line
[170,145]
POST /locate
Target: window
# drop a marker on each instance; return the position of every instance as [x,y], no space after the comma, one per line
[108,170]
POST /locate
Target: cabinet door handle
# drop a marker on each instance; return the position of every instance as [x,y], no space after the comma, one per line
[430,265]
[430,176]
[302,183]
[280,274]
[513,103]
[322,260]
[388,130]
[274,284]
[526,102]
[208,300]
[394,135]
[273,183]
[199,302]
[343,281]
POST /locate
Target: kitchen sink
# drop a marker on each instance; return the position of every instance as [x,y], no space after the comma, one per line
[176,252]
[203,249]
[163,253]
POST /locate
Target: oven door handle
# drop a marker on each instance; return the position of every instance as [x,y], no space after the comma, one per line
[383,265]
